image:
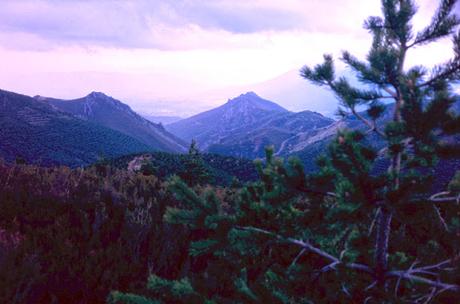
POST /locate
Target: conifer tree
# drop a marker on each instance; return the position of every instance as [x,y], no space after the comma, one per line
[195,171]
[349,233]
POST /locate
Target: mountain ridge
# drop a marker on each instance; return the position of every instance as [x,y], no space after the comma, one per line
[38,133]
[107,111]
[212,125]
[244,125]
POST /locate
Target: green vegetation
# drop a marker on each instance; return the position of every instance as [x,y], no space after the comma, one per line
[195,171]
[194,229]
[220,170]
[71,236]
[345,234]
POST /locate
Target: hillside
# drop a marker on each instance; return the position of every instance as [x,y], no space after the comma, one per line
[309,149]
[38,133]
[282,131]
[222,169]
[111,113]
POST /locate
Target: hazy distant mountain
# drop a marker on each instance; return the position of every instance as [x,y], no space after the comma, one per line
[39,133]
[165,120]
[109,112]
[297,94]
[210,127]
[289,90]
[245,125]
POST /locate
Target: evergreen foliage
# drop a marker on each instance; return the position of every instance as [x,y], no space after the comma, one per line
[73,235]
[195,171]
[344,234]
[221,169]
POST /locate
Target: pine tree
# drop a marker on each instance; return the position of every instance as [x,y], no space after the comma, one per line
[349,233]
[195,171]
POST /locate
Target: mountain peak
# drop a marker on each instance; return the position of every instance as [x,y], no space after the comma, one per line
[209,127]
[95,94]
[250,94]
[246,96]
[251,100]
[102,99]
[109,112]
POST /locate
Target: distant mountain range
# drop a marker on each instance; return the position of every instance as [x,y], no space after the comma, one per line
[165,120]
[245,125]
[79,132]
[75,133]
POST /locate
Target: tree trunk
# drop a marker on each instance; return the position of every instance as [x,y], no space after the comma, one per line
[381,243]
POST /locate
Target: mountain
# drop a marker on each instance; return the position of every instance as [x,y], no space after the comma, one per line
[39,133]
[210,127]
[165,120]
[245,125]
[309,150]
[283,131]
[296,94]
[111,113]
[289,90]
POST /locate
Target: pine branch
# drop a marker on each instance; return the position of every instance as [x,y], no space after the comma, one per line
[409,276]
[442,24]
[442,198]
[415,274]
[372,126]
[392,93]
[333,260]
[441,219]
[438,266]
[412,274]
[449,70]
[298,256]
[322,193]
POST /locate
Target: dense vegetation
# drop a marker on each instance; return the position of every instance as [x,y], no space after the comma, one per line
[345,234]
[221,170]
[71,236]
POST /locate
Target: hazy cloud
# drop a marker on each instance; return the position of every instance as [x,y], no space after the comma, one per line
[184,55]
[146,24]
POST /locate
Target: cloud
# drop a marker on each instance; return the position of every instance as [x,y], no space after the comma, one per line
[130,24]
[75,22]
[42,24]
[182,55]
[236,16]
[175,24]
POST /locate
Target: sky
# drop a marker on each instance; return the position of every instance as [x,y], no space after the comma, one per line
[180,57]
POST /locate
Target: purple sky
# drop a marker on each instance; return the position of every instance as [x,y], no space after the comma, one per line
[184,56]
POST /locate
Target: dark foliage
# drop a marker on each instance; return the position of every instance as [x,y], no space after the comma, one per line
[346,233]
[71,236]
[221,169]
